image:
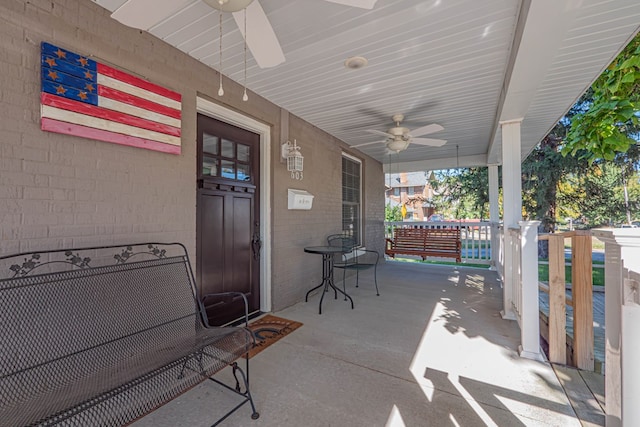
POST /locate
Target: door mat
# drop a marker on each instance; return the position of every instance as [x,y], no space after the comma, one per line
[268,330]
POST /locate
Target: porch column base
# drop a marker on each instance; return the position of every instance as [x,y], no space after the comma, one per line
[539,355]
[508,315]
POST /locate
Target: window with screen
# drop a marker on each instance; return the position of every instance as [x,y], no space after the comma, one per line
[352,197]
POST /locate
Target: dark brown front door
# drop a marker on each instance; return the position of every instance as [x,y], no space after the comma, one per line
[228,222]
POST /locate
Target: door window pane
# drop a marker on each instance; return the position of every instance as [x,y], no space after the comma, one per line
[209,167]
[210,144]
[243,153]
[228,149]
[228,169]
[244,172]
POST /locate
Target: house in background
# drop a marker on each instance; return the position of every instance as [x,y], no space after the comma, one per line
[413,190]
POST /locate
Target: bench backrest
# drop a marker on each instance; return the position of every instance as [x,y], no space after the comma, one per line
[70,314]
[421,235]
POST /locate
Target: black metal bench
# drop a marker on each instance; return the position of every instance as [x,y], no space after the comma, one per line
[102,336]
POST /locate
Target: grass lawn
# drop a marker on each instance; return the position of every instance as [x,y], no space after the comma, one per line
[543,269]
[597,274]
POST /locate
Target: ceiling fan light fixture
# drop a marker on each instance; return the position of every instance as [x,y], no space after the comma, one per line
[229,5]
[356,62]
[397,145]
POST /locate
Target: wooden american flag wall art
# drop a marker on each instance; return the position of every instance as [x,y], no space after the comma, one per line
[83,97]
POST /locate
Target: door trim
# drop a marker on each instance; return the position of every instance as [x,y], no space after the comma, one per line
[226,115]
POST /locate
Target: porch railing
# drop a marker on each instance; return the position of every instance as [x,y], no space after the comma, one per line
[476,236]
[520,287]
[622,316]
[497,245]
[581,299]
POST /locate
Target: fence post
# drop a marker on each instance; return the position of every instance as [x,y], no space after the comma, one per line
[622,372]
[530,316]
[557,305]
[582,295]
[630,367]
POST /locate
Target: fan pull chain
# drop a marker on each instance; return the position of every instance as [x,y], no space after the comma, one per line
[220,90]
[245,97]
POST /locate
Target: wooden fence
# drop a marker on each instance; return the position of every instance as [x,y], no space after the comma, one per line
[581,299]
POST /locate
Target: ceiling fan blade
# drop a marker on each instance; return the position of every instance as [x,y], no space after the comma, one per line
[363,4]
[379,132]
[262,40]
[144,14]
[428,141]
[379,116]
[367,143]
[419,107]
[425,130]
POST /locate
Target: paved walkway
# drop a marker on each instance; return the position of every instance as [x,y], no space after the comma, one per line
[598,324]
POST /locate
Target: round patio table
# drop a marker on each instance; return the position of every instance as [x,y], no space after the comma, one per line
[327,253]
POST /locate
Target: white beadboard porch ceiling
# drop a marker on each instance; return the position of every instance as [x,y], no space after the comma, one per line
[464,64]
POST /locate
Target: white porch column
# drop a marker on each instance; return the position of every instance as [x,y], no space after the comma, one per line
[622,325]
[512,205]
[494,213]
[529,306]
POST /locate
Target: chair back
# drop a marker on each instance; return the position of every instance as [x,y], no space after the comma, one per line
[348,243]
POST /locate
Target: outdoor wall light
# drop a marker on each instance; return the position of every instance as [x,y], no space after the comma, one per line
[295,161]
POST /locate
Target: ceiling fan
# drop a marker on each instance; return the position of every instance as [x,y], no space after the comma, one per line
[399,137]
[262,40]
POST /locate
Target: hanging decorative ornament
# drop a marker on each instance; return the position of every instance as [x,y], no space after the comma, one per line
[245,97]
[220,90]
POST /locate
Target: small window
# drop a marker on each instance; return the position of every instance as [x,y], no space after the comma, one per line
[351,197]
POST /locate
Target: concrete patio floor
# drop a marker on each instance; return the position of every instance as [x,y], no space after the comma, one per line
[431,350]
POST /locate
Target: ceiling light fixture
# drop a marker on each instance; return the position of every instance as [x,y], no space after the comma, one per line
[229,5]
[356,62]
[397,145]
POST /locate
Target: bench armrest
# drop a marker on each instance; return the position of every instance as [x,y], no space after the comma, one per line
[389,243]
[227,294]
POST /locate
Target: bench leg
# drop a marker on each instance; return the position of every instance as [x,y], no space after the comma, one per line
[375,278]
[254,415]
[247,394]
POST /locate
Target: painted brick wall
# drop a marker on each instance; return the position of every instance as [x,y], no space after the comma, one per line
[60,191]
[296,229]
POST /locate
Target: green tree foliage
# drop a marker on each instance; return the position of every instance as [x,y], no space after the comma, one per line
[464,193]
[392,213]
[596,193]
[609,122]
[543,171]
[601,205]
[545,168]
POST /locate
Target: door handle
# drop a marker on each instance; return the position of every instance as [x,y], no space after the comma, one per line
[256,242]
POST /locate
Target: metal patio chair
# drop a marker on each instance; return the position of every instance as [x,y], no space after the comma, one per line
[353,258]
